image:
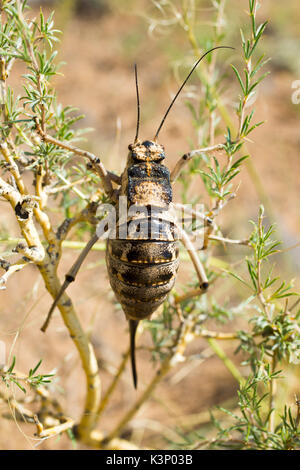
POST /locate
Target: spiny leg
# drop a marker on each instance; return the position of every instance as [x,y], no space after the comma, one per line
[188,156]
[207,220]
[114,178]
[106,177]
[185,239]
[207,236]
[70,277]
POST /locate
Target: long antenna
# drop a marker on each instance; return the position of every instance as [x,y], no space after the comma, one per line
[175,97]
[137,103]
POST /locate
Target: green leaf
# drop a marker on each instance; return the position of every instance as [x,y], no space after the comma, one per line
[239,78]
[18,385]
[32,371]
[237,277]
[11,368]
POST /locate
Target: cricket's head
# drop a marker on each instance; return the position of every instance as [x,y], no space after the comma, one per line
[147,151]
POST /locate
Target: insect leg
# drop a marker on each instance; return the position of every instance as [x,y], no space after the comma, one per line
[207,220]
[188,156]
[96,163]
[185,239]
[71,275]
[114,178]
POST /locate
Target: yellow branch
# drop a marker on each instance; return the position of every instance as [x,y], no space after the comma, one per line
[85,349]
[13,167]
[23,207]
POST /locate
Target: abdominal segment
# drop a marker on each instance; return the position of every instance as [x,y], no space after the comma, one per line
[141,273]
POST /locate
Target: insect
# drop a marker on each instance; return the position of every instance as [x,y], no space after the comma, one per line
[141,265]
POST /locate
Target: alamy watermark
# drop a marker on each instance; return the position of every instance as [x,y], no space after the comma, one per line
[296,95]
[137,222]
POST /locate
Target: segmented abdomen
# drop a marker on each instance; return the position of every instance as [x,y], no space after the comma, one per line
[142,273]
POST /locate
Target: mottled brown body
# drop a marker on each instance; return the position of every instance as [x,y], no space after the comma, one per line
[142,267]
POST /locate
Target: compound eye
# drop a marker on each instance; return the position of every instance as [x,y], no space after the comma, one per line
[130,147]
[147,143]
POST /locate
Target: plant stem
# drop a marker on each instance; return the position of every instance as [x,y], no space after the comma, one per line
[178,349]
[225,359]
[111,388]
[272,394]
[74,245]
[85,349]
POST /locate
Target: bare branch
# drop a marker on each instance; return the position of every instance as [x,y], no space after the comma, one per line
[13,268]
[13,167]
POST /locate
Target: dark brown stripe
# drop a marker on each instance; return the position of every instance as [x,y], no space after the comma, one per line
[143,275]
[143,253]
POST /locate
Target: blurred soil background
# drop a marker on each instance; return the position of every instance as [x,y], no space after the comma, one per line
[100,43]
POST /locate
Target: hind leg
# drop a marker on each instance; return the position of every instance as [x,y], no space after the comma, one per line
[72,273]
[185,239]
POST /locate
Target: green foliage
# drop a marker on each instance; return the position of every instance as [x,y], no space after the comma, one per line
[273,339]
[9,376]
[251,430]
[32,43]
[220,178]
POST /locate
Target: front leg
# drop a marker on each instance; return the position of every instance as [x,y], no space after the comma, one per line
[188,156]
[114,178]
[106,177]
